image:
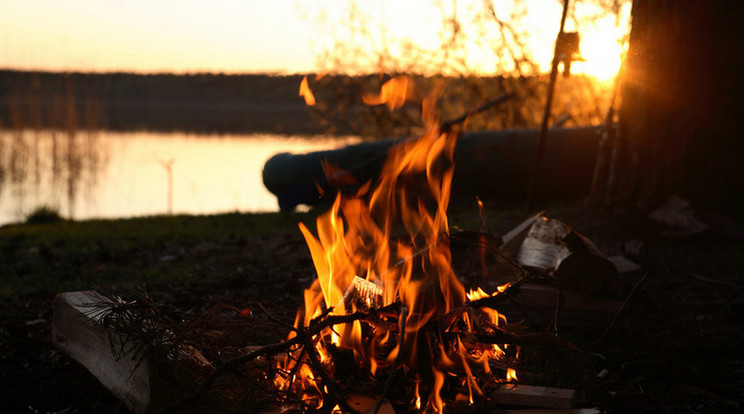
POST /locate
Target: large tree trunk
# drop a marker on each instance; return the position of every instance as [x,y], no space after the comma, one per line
[680,119]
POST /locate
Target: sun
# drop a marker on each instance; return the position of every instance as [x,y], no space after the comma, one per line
[602,46]
[602,53]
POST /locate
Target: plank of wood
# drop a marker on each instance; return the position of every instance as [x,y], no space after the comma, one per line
[76,332]
[533,396]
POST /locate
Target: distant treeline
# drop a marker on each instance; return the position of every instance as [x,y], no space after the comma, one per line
[162,102]
[221,103]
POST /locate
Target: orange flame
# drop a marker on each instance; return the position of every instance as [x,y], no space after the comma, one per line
[393,235]
[393,93]
[306,93]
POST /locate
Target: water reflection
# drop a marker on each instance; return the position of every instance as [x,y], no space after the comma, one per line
[123,174]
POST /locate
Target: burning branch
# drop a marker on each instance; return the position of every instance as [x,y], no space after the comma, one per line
[398,358]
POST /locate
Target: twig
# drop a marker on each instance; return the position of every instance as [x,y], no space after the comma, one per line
[271,349]
[330,385]
[715,281]
[558,304]
[496,251]
[490,301]
[447,126]
[398,358]
[209,314]
[617,315]
[501,337]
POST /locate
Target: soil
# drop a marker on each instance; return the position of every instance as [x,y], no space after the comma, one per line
[677,347]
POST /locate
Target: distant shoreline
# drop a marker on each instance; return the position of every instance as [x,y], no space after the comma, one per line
[198,103]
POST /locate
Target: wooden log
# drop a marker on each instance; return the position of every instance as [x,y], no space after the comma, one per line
[533,396]
[487,163]
[141,385]
[76,332]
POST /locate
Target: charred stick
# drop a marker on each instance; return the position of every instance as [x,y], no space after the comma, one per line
[226,366]
[273,319]
[491,301]
[296,367]
[487,302]
[398,358]
[315,328]
[316,366]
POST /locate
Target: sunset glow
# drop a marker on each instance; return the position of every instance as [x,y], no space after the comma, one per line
[290,36]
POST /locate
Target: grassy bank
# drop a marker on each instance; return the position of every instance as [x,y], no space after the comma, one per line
[681,327]
[120,254]
[116,255]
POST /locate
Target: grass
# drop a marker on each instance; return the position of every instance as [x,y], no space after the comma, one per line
[44,214]
[114,255]
[65,255]
[50,257]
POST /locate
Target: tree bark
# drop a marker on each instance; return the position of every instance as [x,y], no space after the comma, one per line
[681,91]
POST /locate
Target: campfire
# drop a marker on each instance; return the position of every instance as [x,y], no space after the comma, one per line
[405,313]
[391,307]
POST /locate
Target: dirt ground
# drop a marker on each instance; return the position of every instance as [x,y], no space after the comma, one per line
[677,347]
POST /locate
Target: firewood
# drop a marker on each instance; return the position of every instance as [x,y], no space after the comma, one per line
[364,294]
[532,396]
[76,332]
[142,385]
[514,238]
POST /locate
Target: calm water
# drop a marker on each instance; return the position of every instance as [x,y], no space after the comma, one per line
[123,174]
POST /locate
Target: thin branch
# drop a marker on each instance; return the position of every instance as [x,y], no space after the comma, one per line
[271,349]
[316,365]
[398,358]
[617,315]
[447,126]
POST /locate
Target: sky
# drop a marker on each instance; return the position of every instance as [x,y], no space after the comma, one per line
[272,36]
[163,35]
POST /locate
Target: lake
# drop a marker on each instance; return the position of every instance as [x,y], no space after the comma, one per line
[106,174]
